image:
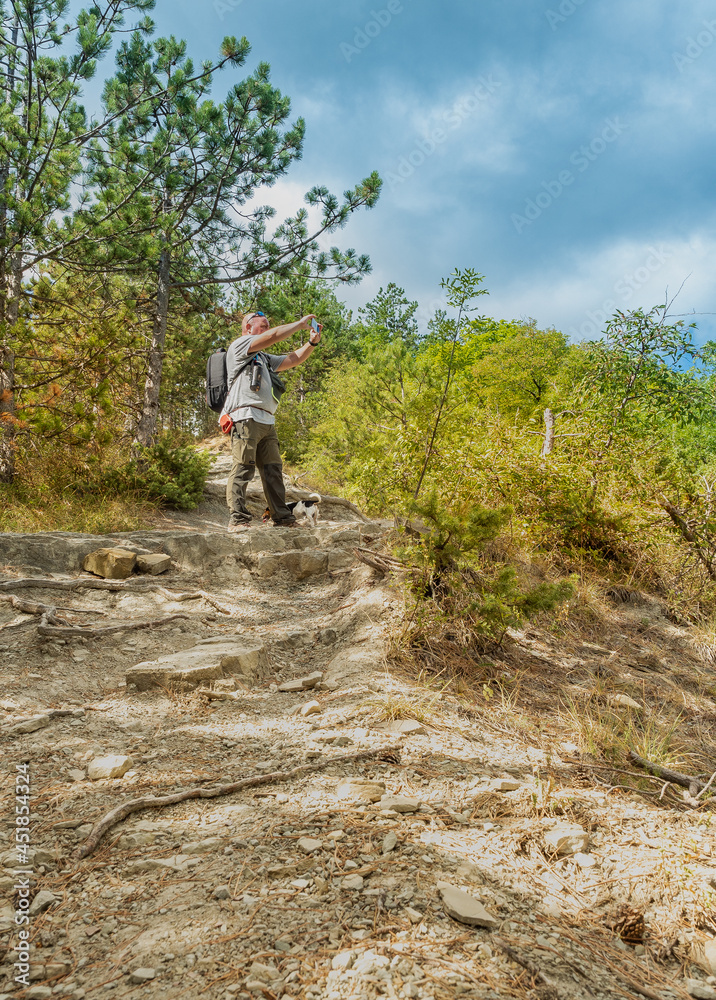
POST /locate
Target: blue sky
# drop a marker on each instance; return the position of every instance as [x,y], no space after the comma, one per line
[563,149]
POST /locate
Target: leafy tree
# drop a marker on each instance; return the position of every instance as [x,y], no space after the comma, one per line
[636,374]
[517,373]
[461,287]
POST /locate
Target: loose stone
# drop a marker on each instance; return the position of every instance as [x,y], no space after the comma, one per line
[143,975]
[308,845]
[112,766]
[389,842]
[111,564]
[565,839]
[463,907]
[403,727]
[42,901]
[360,789]
[399,803]
[154,564]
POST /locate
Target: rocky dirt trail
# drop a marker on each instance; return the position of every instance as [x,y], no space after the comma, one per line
[458,856]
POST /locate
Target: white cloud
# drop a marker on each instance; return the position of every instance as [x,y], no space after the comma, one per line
[580,296]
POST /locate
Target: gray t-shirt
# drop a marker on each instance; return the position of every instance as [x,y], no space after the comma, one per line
[242,403]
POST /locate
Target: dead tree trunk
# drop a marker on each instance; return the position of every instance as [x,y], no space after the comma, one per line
[548,443]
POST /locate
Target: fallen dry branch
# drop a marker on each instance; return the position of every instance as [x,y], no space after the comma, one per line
[390,753]
[533,970]
[383,556]
[197,595]
[694,785]
[219,695]
[78,632]
[384,564]
[48,612]
[79,583]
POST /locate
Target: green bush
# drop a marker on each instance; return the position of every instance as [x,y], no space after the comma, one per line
[170,473]
[466,594]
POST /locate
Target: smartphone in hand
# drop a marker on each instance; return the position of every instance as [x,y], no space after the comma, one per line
[315,327]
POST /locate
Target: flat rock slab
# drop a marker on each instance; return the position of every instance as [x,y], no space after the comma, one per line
[403,727]
[298,564]
[30,725]
[50,551]
[360,790]
[110,564]
[207,660]
[460,905]
[206,846]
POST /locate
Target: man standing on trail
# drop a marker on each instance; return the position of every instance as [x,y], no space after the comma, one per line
[251,405]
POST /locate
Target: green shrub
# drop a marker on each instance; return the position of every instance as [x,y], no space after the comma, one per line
[465,592]
[170,473]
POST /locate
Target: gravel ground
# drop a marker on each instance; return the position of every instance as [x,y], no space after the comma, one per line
[321,886]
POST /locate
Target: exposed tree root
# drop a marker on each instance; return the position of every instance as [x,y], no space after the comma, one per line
[78,632]
[133,586]
[390,753]
[61,628]
[219,695]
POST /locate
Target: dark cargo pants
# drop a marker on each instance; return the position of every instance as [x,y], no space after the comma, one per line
[254,444]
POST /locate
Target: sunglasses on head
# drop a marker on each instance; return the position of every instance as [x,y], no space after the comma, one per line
[254,315]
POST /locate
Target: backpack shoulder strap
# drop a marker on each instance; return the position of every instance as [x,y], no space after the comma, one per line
[243,365]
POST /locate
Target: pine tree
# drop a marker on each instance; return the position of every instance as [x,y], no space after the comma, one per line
[188,169]
[43,131]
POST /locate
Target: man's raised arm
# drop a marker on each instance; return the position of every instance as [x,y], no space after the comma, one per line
[278,333]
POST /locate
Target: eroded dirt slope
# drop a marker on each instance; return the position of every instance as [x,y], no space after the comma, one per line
[334,883]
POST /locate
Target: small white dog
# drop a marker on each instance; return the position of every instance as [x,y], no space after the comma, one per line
[302,508]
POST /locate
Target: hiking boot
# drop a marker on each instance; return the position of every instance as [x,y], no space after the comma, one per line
[286,522]
[238,524]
